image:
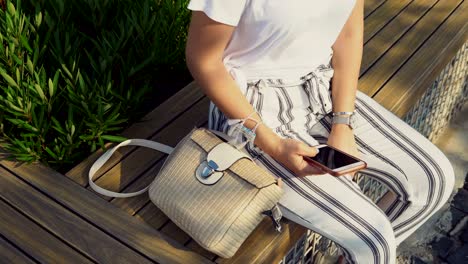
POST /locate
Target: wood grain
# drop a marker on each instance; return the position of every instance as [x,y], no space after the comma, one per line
[64,224]
[401,92]
[135,234]
[11,254]
[45,248]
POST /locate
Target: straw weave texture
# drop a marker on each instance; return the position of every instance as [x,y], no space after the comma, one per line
[221,216]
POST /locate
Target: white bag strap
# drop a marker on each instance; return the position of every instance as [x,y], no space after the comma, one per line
[132,142]
[105,157]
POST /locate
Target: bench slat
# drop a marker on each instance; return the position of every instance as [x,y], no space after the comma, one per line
[104,215]
[264,237]
[381,35]
[379,18]
[277,248]
[20,230]
[371,5]
[11,254]
[63,223]
[404,89]
[391,62]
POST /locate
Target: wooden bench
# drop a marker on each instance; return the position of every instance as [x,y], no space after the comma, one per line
[407,44]
[48,218]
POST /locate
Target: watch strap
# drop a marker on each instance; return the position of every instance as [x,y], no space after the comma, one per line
[341,120]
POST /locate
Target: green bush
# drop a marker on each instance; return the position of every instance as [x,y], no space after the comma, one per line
[74,73]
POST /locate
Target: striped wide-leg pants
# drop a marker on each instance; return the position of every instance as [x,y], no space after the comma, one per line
[397,155]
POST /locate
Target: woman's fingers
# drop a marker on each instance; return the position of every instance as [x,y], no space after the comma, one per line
[306,150]
[308,170]
[280,182]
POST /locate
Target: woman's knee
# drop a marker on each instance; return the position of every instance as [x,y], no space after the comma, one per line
[376,243]
[441,180]
[447,176]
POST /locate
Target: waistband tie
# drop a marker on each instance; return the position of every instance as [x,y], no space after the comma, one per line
[316,85]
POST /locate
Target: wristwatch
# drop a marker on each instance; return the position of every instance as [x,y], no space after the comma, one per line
[348,118]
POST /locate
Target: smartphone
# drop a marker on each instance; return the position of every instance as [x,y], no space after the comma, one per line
[335,162]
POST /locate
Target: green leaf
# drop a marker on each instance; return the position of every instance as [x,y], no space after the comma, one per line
[8,79]
[22,123]
[113,138]
[52,154]
[40,92]
[86,137]
[11,9]
[38,19]
[16,59]
[57,126]
[30,66]
[55,82]
[25,43]
[51,88]
[68,73]
[25,158]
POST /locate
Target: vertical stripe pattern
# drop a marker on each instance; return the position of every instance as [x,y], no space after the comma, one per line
[398,156]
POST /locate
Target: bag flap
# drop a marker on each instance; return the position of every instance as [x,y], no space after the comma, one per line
[243,167]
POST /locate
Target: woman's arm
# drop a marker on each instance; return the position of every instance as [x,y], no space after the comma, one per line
[346,61]
[206,42]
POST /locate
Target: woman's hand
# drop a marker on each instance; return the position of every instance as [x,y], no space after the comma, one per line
[290,152]
[342,138]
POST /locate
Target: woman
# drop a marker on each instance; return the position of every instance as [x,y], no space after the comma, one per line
[293,64]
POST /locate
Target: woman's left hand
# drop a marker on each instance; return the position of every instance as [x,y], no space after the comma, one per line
[342,138]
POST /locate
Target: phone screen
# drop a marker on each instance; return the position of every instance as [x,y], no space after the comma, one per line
[332,158]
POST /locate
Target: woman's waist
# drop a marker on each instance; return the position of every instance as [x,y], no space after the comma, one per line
[290,76]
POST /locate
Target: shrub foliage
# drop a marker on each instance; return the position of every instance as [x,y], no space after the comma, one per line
[73,73]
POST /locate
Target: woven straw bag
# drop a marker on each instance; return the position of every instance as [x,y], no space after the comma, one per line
[209,188]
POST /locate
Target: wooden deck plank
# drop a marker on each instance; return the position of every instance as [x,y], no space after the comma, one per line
[11,254]
[275,250]
[371,5]
[381,16]
[20,230]
[134,204]
[64,224]
[175,232]
[152,215]
[377,44]
[193,245]
[401,92]
[253,250]
[390,63]
[136,234]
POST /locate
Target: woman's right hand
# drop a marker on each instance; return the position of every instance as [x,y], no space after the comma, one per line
[290,152]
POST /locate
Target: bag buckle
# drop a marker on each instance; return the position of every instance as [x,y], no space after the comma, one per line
[209,169]
[275,216]
[218,159]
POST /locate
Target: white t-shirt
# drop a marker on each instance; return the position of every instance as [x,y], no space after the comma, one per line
[277,38]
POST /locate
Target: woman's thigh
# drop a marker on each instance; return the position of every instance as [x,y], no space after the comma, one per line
[407,157]
[335,208]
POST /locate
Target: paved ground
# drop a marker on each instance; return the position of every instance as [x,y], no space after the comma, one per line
[444,238]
